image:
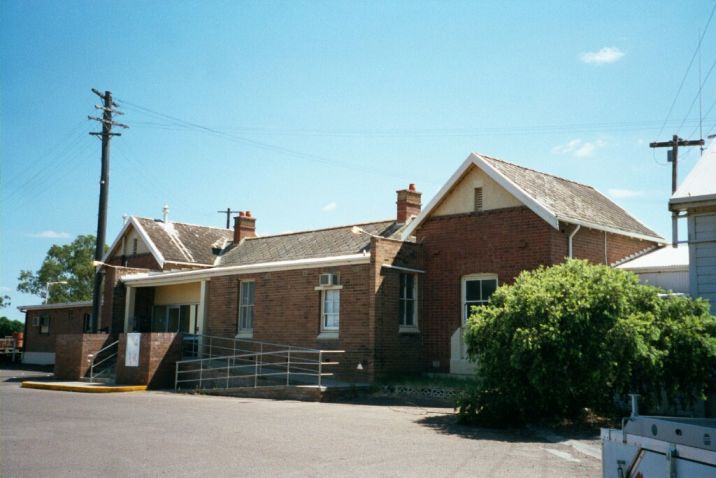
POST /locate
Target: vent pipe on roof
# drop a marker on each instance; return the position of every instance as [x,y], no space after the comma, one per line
[165,213]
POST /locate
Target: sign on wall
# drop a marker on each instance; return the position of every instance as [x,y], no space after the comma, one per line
[131,355]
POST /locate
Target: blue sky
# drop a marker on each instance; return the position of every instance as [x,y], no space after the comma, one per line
[311,114]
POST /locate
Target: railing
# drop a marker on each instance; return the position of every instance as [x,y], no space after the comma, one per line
[232,363]
[95,371]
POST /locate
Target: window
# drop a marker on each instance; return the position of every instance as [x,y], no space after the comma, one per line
[174,318]
[476,290]
[86,323]
[134,247]
[247,297]
[478,199]
[408,300]
[330,313]
[45,324]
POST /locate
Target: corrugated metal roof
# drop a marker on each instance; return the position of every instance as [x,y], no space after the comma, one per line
[701,181]
[665,258]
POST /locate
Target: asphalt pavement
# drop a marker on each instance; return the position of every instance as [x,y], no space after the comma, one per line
[54,433]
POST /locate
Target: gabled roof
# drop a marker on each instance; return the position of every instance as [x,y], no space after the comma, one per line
[177,242]
[552,198]
[335,241]
[700,184]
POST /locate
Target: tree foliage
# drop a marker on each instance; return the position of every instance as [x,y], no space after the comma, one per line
[71,263]
[7,326]
[4,301]
[576,335]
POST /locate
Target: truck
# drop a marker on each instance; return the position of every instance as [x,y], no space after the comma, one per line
[655,446]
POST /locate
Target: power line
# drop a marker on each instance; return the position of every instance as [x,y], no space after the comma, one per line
[697,96]
[688,69]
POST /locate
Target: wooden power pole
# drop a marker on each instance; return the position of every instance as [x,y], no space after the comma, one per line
[228,213]
[107,109]
[674,160]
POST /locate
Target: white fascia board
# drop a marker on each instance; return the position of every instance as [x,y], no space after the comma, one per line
[65,305]
[691,201]
[143,234]
[638,236]
[152,247]
[117,240]
[640,270]
[537,207]
[167,278]
[613,230]
[427,210]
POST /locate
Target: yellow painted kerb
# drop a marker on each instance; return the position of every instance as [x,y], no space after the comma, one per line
[89,388]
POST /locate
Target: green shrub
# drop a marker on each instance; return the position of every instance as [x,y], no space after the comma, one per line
[576,335]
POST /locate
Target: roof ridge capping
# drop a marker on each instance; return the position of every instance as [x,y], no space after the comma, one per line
[306,231]
[182,223]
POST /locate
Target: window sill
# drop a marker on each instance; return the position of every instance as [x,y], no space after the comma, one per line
[328,335]
[328,287]
[245,334]
[408,330]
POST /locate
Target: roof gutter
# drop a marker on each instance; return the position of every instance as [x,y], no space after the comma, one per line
[182,277]
[613,230]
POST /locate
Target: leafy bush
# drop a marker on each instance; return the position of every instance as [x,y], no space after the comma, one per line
[576,335]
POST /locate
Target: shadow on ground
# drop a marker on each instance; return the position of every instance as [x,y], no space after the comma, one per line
[448,425]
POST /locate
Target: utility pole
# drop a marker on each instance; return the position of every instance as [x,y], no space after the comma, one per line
[673,158]
[107,109]
[228,213]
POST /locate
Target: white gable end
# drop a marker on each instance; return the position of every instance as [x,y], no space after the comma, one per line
[461,198]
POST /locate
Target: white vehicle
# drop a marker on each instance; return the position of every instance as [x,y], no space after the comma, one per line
[670,447]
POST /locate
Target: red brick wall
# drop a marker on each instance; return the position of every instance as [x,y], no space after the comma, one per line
[158,354]
[395,352]
[287,311]
[71,352]
[112,309]
[62,321]
[502,242]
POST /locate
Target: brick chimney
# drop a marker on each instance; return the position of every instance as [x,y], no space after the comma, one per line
[244,226]
[408,203]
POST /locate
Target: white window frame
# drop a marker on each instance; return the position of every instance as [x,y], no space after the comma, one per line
[468,278]
[246,331]
[44,324]
[329,332]
[402,298]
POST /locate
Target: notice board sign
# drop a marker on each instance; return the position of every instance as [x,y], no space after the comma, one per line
[131,355]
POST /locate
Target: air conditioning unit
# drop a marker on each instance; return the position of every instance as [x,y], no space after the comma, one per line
[36,321]
[328,279]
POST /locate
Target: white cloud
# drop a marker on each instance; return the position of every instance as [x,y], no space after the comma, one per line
[602,57]
[579,148]
[624,193]
[331,206]
[5,289]
[51,235]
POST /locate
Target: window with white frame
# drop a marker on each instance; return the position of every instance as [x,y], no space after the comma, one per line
[408,300]
[476,291]
[330,309]
[247,298]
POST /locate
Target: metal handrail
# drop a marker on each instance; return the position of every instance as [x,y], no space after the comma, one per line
[95,355]
[256,361]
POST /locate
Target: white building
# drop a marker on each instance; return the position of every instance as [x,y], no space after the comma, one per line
[667,267]
[696,199]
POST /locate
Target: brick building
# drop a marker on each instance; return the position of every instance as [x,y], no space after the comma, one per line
[394,294]
[43,323]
